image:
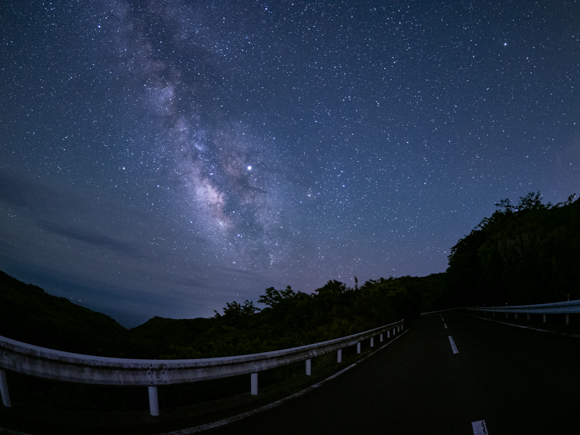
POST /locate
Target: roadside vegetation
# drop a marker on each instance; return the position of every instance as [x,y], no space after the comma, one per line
[289,318]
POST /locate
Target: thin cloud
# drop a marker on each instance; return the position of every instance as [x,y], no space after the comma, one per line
[93,238]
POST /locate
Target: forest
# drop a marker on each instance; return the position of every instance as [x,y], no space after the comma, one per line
[522,254]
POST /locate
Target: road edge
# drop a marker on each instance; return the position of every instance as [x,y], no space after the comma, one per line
[247,414]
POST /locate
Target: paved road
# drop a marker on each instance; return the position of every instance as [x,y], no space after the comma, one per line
[517,381]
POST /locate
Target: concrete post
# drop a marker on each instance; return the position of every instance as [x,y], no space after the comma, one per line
[308,367]
[4,389]
[372,341]
[389,333]
[339,356]
[544,318]
[358,347]
[153,401]
[381,338]
[254,387]
[567,318]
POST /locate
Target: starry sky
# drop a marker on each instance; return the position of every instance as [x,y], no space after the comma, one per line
[166,157]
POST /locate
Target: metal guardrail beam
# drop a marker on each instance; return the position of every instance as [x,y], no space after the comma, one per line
[566,307]
[437,312]
[73,367]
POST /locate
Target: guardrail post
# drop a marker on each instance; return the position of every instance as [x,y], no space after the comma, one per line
[544,318]
[381,337]
[358,347]
[389,333]
[4,389]
[567,318]
[494,314]
[308,367]
[339,356]
[516,316]
[153,401]
[528,317]
[506,315]
[372,341]
[254,382]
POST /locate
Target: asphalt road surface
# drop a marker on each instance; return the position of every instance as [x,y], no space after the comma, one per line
[487,378]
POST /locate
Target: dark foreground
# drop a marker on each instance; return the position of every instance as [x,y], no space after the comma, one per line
[517,380]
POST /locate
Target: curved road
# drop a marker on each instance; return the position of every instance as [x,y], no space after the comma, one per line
[501,380]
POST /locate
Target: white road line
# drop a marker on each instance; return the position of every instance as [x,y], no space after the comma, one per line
[445,324]
[479,428]
[453,347]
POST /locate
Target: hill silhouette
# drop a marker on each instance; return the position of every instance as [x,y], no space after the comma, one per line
[30,315]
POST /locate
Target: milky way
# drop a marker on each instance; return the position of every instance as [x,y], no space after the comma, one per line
[223,179]
[166,157]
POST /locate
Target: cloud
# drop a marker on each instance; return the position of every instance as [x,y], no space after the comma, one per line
[39,198]
[93,238]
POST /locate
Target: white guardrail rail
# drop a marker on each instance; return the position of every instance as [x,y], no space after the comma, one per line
[72,367]
[566,307]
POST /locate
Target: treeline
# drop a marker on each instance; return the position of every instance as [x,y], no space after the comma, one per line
[523,254]
[30,315]
[290,318]
[293,318]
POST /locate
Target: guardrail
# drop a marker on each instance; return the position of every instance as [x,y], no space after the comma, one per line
[438,312]
[72,367]
[566,307]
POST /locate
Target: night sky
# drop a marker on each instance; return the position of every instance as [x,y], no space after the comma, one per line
[166,157]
